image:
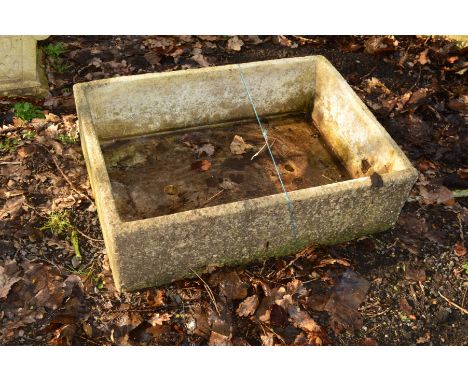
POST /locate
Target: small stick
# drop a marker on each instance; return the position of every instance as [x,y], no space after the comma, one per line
[453,304]
[263,148]
[304,39]
[330,179]
[462,237]
[7,163]
[210,199]
[65,176]
[11,129]
[88,237]
[210,292]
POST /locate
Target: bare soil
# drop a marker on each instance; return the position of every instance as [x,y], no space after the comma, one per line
[164,174]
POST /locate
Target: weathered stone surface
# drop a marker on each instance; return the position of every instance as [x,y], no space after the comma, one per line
[158,250]
[21,69]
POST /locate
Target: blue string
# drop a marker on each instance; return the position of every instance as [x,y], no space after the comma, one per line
[265,136]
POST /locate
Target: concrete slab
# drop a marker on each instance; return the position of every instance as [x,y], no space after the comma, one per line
[158,250]
[21,68]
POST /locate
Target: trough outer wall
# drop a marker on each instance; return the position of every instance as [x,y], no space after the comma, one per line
[159,250]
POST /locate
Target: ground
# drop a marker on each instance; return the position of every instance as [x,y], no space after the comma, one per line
[406,286]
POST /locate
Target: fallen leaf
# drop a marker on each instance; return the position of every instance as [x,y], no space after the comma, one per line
[227,184]
[441,195]
[201,165]
[423,59]
[230,285]
[6,282]
[459,249]
[381,44]
[278,316]
[418,95]
[283,40]
[159,319]
[238,146]
[235,43]
[459,104]
[302,320]
[415,273]
[326,262]
[345,298]
[369,342]
[201,60]
[207,149]
[424,339]
[267,339]
[217,339]
[248,306]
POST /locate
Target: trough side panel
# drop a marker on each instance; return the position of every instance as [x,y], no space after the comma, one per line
[146,104]
[350,128]
[158,251]
[99,180]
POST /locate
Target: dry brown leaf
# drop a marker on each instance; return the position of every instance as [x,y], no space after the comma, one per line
[282,40]
[302,320]
[159,319]
[217,339]
[423,59]
[6,282]
[235,43]
[238,146]
[248,306]
[201,60]
[201,165]
[207,149]
[459,104]
[459,249]
[441,195]
[381,44]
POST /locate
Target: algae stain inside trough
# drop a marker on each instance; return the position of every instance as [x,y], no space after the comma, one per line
[160,174]
[169,156]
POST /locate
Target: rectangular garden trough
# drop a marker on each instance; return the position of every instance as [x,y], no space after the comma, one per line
[165,242]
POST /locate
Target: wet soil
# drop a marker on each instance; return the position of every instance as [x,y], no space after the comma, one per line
[164,174]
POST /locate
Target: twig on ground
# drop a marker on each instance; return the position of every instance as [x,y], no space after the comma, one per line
[88,237]
[368,74]
[262,148]
[64,175]
[11,129]
[305,39]
[460,224]
[210,199]
[7,163]
[417,80]
[208,289]
[330,179]
[464,295]
[453,304]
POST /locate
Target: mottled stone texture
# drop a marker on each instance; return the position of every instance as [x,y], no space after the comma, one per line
[21,69]
[158,250]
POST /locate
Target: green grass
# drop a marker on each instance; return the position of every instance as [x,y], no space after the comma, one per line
[66,139]
[28,135]
[8,145]
[465,268]
[58,222]
[27,111]
[54,50]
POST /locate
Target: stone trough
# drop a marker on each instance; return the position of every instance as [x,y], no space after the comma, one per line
[159,249]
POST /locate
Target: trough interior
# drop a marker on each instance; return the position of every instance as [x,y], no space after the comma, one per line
[173,172]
